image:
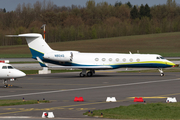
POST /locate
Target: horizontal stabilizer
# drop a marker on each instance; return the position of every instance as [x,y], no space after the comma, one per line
[29,35]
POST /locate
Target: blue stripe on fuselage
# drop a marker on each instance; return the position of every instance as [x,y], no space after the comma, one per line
[142,65]
[36,54]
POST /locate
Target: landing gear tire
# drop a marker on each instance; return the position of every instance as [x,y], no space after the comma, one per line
[162,74]
[81,75]
[5,86]
[89,74]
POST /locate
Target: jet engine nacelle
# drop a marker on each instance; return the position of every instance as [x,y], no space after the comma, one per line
[60,56]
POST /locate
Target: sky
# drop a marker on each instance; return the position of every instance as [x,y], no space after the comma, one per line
[10,5]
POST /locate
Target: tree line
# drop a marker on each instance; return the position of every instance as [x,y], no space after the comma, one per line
[95,20]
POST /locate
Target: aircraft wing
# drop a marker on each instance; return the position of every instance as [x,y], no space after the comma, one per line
[83,67]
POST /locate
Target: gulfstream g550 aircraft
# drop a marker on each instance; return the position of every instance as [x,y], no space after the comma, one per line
[90,61]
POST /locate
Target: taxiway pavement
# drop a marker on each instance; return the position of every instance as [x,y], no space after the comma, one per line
[62,88]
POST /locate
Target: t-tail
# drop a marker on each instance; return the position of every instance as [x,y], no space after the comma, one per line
[37,46]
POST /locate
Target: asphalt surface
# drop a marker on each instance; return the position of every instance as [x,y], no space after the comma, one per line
[62,88]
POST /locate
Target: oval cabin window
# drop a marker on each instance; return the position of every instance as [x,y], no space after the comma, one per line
[138,60]
[131,60]
[124,60]
[117,59]
[96,59]
[103,59]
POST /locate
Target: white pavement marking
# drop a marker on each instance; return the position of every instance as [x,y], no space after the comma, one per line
[15,117]
[98,87]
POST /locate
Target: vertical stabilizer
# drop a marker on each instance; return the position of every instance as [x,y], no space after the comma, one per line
[36,43]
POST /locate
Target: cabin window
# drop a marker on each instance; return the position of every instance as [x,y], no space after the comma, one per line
[157,58]
[4,67]
[138,60]
[117,59]
[131,60]
[110,59]
[10,67]
[103,59]
[124,59]
[96,59]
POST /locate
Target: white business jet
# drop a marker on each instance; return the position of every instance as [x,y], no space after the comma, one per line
[90,61]
[8,72]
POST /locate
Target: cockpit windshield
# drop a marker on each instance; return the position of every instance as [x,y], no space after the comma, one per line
[4,67]
[160,57]
[7,67]
[10,67]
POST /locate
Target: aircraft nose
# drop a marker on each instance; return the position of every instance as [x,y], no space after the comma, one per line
[19,73]
[171,63]
[22,74]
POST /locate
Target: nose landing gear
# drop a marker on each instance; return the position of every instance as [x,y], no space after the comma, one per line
[161,72]
[5,83]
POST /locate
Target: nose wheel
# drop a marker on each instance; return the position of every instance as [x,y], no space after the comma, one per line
[5,83]
[5,86]
[161,72]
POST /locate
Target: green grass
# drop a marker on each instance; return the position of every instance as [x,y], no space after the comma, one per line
[20,102]
[15,55]
[141,111]
[165,44]
[24,62]
[28,72]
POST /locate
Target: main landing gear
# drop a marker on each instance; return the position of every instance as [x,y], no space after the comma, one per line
[161,72]
[89,74]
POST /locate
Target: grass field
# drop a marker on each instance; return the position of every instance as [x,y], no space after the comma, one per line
[20,102]
[158,111]
[166,44]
